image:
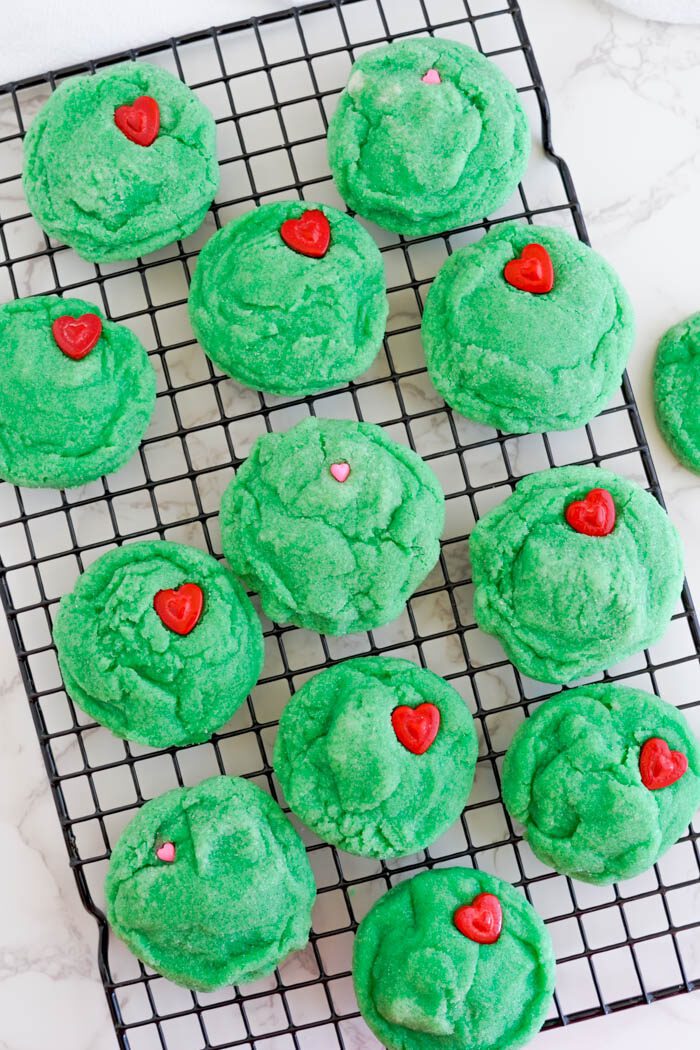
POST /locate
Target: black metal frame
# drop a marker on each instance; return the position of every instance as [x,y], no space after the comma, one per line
[77,734]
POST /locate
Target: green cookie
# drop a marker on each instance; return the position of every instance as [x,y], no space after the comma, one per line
[428,135]
[592,807]
[527,361]
[107,196]
[377,756]
[210,885]
[67,420]
[563,603]
[677,391]
[160,671]
[333,523]
[280,318]
[423,984]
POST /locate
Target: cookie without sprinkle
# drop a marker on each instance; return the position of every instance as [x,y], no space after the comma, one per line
[677,391]
[427,135]
[290,316]
[210,885]
[517,356]
[377,756]
[159,642]
[333,523]
[453,959]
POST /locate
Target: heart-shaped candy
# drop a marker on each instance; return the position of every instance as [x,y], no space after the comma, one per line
[416,727]
[594,515]
[659,766]
[340,471]
[432,77]
[166,852]
[77,336]
[532,271]
[310,234]
[140,122]
[482,920]
[180,609]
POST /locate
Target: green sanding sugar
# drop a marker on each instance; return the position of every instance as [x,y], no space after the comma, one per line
[421,156]
[64,422]
[282,321]
[520,361]
[333,523]
[347,775]
[677,391]
[572,777]
[230,894]
[421,984]
[564,604]
[108,197]
[133,673]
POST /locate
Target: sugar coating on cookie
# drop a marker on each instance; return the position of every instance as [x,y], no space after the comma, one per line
[376,755]
[427,135]
[677,391]
[568,588]
[333,523]
[210,885]
[290,298]
[76,396]
[158,642]
[97,178]
[453,959]
[574,776]
[509,348]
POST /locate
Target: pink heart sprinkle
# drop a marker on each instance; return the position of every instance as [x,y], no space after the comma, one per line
[340,471]
[432,77]
[166,852]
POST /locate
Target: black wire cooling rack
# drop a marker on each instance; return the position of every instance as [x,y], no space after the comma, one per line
[272,83]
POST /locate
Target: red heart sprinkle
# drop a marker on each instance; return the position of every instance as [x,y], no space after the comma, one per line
[416,727]
[532,272]
[139,122]
[309,235]
[77,336]
[594,515]
[180,609]
[166,852]
[482,920]
[659,766]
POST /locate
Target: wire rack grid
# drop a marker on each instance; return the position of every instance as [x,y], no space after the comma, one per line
[272,83]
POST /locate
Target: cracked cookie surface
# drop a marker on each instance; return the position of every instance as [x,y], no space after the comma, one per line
[332,553]
[232,896]
[525,362]
[421,157]
[677,391]
[131,672]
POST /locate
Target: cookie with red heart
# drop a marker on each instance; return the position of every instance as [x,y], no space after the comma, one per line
[453,959]
[376,755]
[76,396]
[603,779]
[159,642]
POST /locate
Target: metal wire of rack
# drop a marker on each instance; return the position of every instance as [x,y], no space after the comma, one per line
[271,83]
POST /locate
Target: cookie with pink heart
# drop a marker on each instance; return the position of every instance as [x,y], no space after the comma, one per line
[377,756]
[453,959]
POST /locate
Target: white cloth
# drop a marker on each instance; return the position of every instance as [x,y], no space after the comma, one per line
[662,10]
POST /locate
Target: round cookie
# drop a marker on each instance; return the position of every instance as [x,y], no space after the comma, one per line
[158,642]
[453,959]
[290,298]
[604,779]
[76,396]
[121,163]
[377,756]
[677,391]
[333,523]
[427,135]
[527,330]
[576,571]
[210,885]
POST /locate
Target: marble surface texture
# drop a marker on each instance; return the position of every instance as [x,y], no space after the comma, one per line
[625,96]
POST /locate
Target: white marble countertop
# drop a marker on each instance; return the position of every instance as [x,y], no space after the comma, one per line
[626,108]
